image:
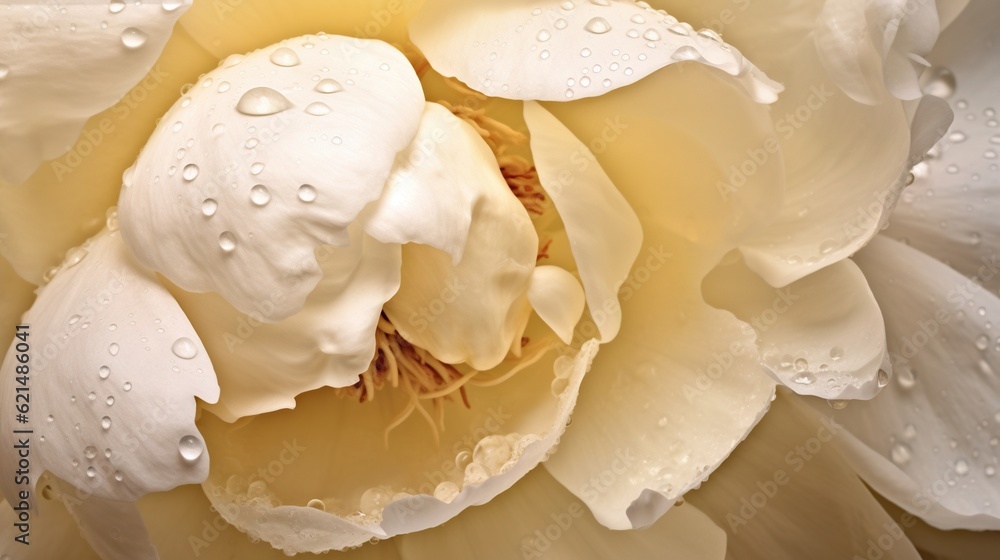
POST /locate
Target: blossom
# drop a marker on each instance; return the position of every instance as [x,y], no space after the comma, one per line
[357,283]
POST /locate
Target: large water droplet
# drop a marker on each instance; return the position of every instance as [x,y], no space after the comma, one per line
[106,423]
[209,206]
[256,168]
[317,504]
[190,448]
[446,491]
[90,452]
[190,172]
[939,82]
[171,5]
[133,38]
[284,56]
[227,241]
[686,53]
[104,372]
[116,6]
[113,348]
[598,25]
[307,193]
[651,35]
[318,109]
[329,85]
[261,101]
[492,452]
[91,472]
[184,348]
[259,195]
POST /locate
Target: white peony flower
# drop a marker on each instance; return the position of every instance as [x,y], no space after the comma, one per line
[363,273]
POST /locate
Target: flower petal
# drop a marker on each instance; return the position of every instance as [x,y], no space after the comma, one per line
[473,311]
[557,51]
[62,64]
[539,518]
[17,297]
[114,366]
[53,531]
[836,203]
[822,335]
[113,529]
[786,488]
[949,212]
[604,233]
[247,175]
[434,187]
[930,437]
[67,200]
[263,366]
[380,492]
[558,298]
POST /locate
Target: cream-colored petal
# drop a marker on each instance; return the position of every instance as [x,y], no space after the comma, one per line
[604,233]
[929,441]
[552,50]
[263,366]
[473,311]
[17,296]
[935,544]
[331,488]
[114,367]
[538,518]
[114,530]
[949,212]
[266,158]
[434,186]
[787,493]
[62,64]
[558,298]
[52,531]
[225,28]
[677,362]
[65,201]
[822,335]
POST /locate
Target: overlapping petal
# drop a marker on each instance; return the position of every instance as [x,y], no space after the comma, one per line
[822,335]
[929,442]
[266,158]
[275,481]
[62,64]
[786,488]
[558,51]
[113,368]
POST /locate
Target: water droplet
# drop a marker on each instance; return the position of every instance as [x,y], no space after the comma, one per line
[318,109]
[284,56]
[598,25]
[567,5]
[190,172]
[492,452]
[171,5]
[127,386]
[184,348]
[190,448]
[678,29]
[651,35]
[328,85]
[224,87]
[939,82]
[91,472]
[560,23]
[106,423]
[176,128]
[307,193]
[133,38]
[50,418]
[957,137]
[110,401]
[544,55]
[256,168]
[805,378]
[909,432]
[259,195]
[961,467]
[637,19]
[227,241]
[882,378]
[261,101]
[543,35]
[801,364]
[104,372]
[837,404]
[836,353]
[686,53]
[901,454]
[990,470]
[585,52]
[446,491]
[982,342]
[4,71]
[119,476]
[218,129]
[209,206]
[113,348]
[90,452]
[116,6]
[385,67]
[317,504]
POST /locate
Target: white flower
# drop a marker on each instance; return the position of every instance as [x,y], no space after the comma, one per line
[385,213]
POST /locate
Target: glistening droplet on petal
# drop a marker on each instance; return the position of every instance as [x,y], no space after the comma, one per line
[328,85]
[227,241]
[285,57]
[307,193]
[598,26]
[133,38]
[259,195]
[262,101]
[190,447]
[318,109]
[184,348]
